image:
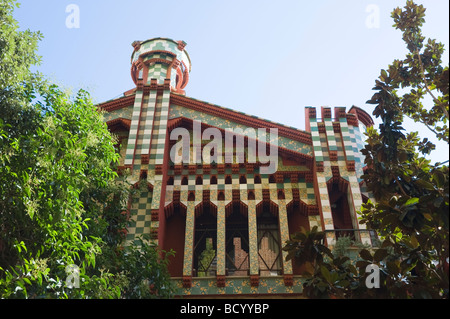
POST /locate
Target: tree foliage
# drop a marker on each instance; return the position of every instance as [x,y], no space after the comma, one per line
[410,211]
[61,203]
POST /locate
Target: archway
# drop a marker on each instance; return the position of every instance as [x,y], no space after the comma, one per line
[269,239]
[340,207]
[174,236]
[205,240]
[237,260]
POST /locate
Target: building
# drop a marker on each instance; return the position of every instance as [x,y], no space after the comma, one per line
[227,207]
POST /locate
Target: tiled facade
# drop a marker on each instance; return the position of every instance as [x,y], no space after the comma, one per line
[228,220]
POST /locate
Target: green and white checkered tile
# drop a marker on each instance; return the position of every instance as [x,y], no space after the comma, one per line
[331,140]
[162,128]
[133,134]
[148,125]
[140,215]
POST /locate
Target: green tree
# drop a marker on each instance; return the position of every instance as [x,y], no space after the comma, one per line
[61,203]
[411,208]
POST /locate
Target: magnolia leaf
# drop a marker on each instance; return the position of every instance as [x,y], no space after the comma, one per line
[309,269]
[362,264]
[411,201]
[414,242]
[380,254]
[353,269]
[326,273]
[392,267]
[366,255]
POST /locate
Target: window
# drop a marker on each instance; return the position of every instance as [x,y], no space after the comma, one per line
[205,245]
[237,247]
[175,227]
[269,251]
[340,208]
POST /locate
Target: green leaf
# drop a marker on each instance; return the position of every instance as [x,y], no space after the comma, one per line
[411,201]
[426,185]
[309,268]
[380,254]
[366,255]
[438,178]
[325,273]
[362,264]
[26,280]
[414,242]
[353,269]
[392,267]
[344,283]
[383,76]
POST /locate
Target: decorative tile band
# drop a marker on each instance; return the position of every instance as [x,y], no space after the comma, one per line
[240,286]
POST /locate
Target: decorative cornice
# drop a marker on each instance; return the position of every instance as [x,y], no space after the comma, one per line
[180,121]
[240,118]
[143,55]
[326,112]
[136,45]
[362,116]
[352,119]
[181,45]
[117,104]
[157,60]
[116,124]
[291,133]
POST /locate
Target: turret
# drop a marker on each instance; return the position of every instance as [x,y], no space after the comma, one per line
[160,59]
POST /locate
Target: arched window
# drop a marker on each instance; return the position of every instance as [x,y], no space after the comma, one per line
[198,180]
[269,242]
[297,219]
[205,245]
[257,179]
[175,227]
[237,243]
[242,180]
[228,179]
[170,181]
[340,208]
[184,181]
[213,180]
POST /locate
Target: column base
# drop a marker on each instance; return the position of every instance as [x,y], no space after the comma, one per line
[288,280]
[220,281]
[254,280]
[187,281]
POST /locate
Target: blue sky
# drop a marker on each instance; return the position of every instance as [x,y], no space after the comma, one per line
[264,58]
